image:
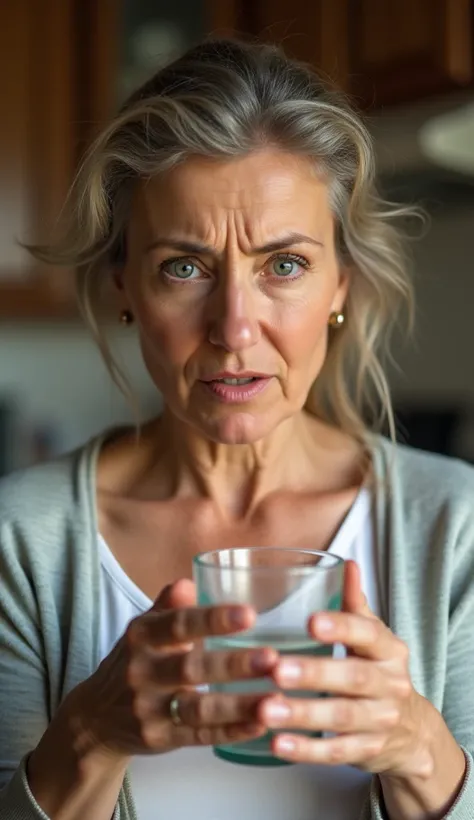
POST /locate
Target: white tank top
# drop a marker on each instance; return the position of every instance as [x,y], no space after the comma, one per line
[193,784]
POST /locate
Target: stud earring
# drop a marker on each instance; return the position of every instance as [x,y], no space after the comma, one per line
[336,319]
[126,317]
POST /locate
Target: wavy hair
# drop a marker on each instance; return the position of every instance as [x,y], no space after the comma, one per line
[224,99]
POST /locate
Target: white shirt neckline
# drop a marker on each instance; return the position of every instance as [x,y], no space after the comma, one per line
[354,519]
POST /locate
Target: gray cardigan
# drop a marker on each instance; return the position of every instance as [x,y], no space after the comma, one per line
[49,600]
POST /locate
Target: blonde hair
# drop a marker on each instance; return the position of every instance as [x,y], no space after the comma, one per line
[223,99]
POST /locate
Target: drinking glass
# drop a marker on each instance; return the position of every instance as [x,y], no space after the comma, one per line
[284,586]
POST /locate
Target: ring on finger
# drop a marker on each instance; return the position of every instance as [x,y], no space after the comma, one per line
[174,711]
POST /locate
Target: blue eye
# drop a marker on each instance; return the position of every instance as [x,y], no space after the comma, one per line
[284,267]
[183,269]
[288,266]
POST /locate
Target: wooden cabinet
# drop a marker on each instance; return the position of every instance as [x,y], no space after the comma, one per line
[403,50]
[65,65]
[37,149]
[381,51]
[315,32]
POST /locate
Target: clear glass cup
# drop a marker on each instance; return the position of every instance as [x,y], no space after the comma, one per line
[285,587]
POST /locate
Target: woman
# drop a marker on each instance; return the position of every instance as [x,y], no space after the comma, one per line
[232,202]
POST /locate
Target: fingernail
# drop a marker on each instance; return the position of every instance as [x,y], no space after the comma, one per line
[290,670]
[237,618]
[277,711]
[285,744]
[324,623]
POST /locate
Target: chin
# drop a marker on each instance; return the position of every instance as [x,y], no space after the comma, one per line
[238,428]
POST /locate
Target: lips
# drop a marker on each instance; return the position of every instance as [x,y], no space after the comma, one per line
[234,378]
[231,388]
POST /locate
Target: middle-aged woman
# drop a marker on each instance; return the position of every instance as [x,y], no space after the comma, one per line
[232,203]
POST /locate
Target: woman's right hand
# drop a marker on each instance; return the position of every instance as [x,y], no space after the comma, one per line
[124,707]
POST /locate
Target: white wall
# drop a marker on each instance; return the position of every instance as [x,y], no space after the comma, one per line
[57,375]
[438,365]
[442,360]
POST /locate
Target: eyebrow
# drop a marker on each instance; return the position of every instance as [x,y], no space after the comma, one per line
[185,246]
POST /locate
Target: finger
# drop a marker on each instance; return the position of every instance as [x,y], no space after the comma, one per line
[158,734]
[368,637]
[217,709]
[360,749]
[341,715]
[196,667]
[354,599]
[183,626]
[174,596]
[348,676]
[197,709]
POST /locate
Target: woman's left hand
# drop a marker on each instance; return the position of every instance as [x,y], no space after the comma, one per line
[381,723]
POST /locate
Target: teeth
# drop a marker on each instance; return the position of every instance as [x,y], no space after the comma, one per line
[236,381]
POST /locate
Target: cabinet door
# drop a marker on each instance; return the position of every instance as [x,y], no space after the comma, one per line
[37,149]
[382,51]
[401,50]
[315,32]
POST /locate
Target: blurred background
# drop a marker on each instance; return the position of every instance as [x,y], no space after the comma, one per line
[65,65]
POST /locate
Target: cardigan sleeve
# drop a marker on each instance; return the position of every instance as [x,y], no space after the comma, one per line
[23,681]
[25,702]
[458,701]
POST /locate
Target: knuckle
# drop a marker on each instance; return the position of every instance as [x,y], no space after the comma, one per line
[403,650]
[337,750]
[203,710]
[214,622]
[426,766]
[374,746]
[389,717]
[191,668]
[148,735]
[135,673]
[140,707]
[360,676]
[374,630]
[179,626]
[403,687]
[204,736]
[344,716]
[235,663]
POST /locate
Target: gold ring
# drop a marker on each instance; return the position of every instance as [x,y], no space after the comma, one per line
[173,709]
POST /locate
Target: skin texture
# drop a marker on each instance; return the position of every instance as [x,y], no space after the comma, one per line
[235,313]
[209,474]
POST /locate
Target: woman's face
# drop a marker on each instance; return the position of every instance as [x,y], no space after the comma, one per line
[231,273]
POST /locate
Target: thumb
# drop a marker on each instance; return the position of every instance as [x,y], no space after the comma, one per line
[354,599]
[180,594]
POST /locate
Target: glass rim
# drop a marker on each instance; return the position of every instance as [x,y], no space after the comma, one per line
[201,561]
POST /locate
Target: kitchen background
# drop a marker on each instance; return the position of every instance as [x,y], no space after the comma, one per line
[66,64]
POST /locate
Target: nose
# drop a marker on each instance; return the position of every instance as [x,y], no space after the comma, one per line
[234,324]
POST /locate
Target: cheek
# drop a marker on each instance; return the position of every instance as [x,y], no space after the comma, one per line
[301,331]
[168,338]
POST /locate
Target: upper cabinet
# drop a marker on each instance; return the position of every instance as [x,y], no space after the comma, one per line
[65,66]
[380,51]
[37,149]
[403,50]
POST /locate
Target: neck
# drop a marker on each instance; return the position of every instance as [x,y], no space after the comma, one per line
[237,477]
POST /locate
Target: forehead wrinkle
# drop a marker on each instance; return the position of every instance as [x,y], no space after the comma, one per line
[229,211]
